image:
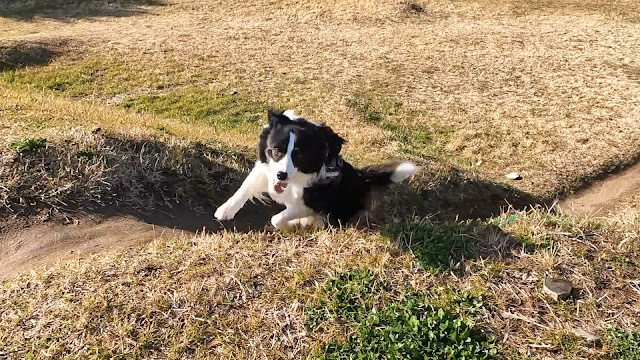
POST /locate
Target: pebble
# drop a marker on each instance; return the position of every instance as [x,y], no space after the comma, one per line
[514,176]
[585,335]
[557,288]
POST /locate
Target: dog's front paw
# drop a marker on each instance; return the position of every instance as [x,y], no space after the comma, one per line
[226,211]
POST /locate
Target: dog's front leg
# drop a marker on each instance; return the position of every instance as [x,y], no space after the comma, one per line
[255,184]
[281,219]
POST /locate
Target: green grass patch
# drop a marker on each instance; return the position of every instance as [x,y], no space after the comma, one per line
[100,77]
[436,245]
[347,297]
[77,79]
[623,345]
[29,145]
[406,328]
[416,139]
[166,92]
[462,302]
[201,106]
[413,329]
[568,344]
[535,243]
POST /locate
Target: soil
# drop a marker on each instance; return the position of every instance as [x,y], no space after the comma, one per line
[604,195]
[28,244]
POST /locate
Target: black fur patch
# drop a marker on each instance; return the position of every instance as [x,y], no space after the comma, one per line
[315,144]
[341,200]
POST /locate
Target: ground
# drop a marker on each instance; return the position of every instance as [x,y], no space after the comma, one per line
[126,122]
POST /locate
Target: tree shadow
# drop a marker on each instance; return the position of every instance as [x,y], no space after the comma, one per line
[62,10]
[19,54]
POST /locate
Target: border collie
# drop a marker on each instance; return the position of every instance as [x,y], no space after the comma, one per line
[299,165]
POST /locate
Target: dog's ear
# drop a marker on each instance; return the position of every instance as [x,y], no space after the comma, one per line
[334,142]
[275,117]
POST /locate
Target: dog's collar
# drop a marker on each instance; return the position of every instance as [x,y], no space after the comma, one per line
[332,171]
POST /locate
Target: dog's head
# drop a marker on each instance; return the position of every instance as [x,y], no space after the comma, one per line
[290,144]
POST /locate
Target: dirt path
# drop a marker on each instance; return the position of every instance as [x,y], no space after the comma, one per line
[45,244]
[25,247]
[604,195]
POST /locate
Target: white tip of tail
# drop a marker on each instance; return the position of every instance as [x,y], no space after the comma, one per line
[403,171]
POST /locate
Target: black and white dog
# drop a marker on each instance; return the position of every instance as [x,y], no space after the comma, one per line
[299,165]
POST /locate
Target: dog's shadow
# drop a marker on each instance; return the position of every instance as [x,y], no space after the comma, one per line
[457,196]
[447,222]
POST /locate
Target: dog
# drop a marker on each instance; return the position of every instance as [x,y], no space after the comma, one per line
[299,166]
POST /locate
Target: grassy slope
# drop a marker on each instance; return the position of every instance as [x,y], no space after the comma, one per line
[521,86]
[266,295]
[194,105]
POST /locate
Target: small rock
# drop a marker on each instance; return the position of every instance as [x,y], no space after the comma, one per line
[514,176]
[585,335]
[479,162]
[557,288]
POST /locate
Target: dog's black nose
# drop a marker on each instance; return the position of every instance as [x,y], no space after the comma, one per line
[282,175]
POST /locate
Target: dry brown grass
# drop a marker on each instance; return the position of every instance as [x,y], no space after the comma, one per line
[85,169]
[91,159]
[545,91]
[232,295]
[532,86]
[224,296]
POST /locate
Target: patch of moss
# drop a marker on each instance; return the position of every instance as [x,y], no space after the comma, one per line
[202,106]
[414,138]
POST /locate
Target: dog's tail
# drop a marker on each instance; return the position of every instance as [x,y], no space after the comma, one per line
[385,174]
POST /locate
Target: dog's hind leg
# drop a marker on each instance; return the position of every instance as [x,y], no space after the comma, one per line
[255,184]
[308,222]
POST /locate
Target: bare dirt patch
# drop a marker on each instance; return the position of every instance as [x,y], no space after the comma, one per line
[605,194]
[29,245]
[45,244]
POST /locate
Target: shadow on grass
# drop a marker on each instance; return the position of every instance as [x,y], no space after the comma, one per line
[170,184]
[72,9]
[445,245]
[179,184]
[15,55]
[458,196]
[454,219]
